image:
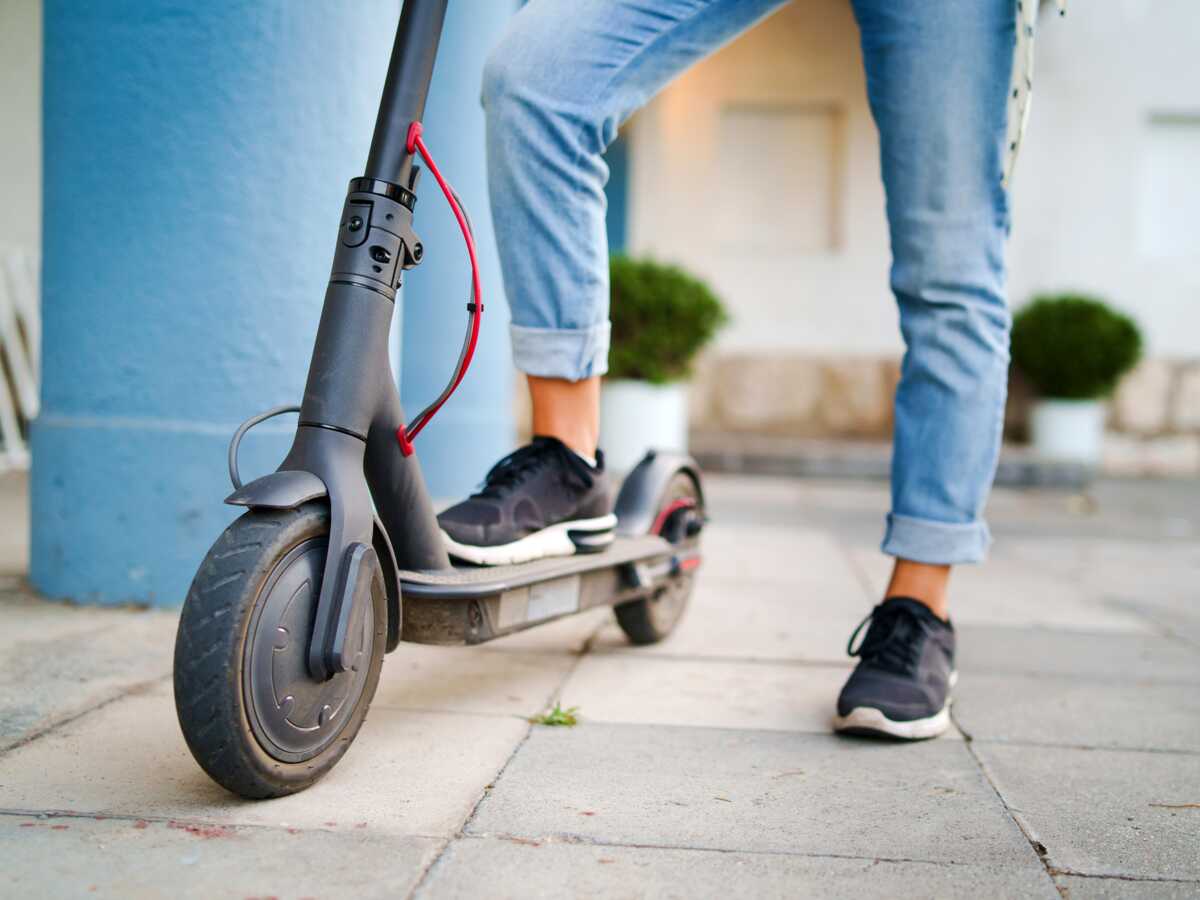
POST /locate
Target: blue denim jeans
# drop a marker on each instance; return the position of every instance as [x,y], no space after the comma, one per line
[568,72]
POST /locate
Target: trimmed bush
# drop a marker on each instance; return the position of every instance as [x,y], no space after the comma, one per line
[661,318]
[1074,347]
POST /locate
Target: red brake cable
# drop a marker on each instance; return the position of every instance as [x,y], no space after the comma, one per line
[406,433]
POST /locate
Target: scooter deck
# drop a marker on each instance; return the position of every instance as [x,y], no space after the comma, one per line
[473,604]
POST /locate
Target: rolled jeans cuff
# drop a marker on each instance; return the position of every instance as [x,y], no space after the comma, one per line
[936,543]
[569,353]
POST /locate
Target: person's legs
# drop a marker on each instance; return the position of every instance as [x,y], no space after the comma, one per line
[937,80]
[567,410]
[922,581]
[556,87]
[563,77]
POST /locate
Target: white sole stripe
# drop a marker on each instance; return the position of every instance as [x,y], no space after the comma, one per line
[867,718]
[552,541]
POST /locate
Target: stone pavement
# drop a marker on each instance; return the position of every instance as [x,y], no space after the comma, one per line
[701,767]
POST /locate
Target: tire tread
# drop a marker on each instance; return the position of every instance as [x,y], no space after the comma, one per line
[209,647]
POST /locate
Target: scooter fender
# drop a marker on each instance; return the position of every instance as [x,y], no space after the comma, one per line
[285,489]
[289,488]
[638,501]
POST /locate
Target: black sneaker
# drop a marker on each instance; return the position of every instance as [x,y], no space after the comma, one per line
[901,686]
[542,500]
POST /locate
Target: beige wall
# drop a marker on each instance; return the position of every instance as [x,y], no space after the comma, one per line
[1106,194]
[815,278]
[20,123]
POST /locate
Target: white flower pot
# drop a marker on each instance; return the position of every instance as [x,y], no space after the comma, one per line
[636,416]
[1068,430]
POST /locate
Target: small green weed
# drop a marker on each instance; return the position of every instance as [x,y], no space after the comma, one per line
[558,716]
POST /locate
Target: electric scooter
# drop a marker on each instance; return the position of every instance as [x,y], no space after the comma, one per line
[338,556]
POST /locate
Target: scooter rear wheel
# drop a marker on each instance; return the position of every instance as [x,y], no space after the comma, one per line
[679,518]
[251,715]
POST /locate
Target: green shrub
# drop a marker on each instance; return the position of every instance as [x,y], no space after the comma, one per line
[1074,347]
[661,318]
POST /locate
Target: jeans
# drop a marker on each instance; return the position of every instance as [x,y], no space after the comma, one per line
[568,72]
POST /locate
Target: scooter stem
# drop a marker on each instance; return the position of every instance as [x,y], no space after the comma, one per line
[405,90]
[351,412]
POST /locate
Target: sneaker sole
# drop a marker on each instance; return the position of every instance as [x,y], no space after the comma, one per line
[563,539]
[866,721]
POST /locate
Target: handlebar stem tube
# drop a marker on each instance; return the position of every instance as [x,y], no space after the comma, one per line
[351,409]
[406,88]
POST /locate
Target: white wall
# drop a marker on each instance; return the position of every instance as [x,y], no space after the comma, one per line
[21,123]
[1106,193]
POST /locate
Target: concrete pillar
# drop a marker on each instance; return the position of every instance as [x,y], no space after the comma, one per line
[476,427]
[196,157]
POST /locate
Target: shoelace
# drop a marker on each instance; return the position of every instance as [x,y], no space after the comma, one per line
[893,640]
[520,464]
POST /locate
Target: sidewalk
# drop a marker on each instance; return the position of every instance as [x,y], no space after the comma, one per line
[702,767]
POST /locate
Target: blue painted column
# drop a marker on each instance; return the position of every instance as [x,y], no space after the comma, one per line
[196,158]
[475,428]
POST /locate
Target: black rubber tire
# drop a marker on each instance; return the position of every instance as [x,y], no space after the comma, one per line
[651,619]
[211,643]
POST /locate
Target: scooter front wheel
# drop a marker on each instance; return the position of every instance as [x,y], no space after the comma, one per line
[252,716]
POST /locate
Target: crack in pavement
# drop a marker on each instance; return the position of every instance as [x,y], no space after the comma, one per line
[1039,849]
[587,840]
[134,690]
[1155,879]
[198,823]
[554,695]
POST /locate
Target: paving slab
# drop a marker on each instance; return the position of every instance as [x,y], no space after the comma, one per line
[1078,888]
[763,791]
[1165,570]
[1120,713]
[707,693]
[121,858]
[813,561]
[465,679]
[748,619]
[26,616]
[57,660]
[1101,655]
[1105,812]
[1004,593]
[503,869]
[1179,619]
[872,568]
[408,772]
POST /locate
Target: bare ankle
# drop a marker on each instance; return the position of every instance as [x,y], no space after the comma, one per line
[567,410]
[923,582]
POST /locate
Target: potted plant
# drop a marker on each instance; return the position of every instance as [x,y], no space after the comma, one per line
[661,318]
[1073,349]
